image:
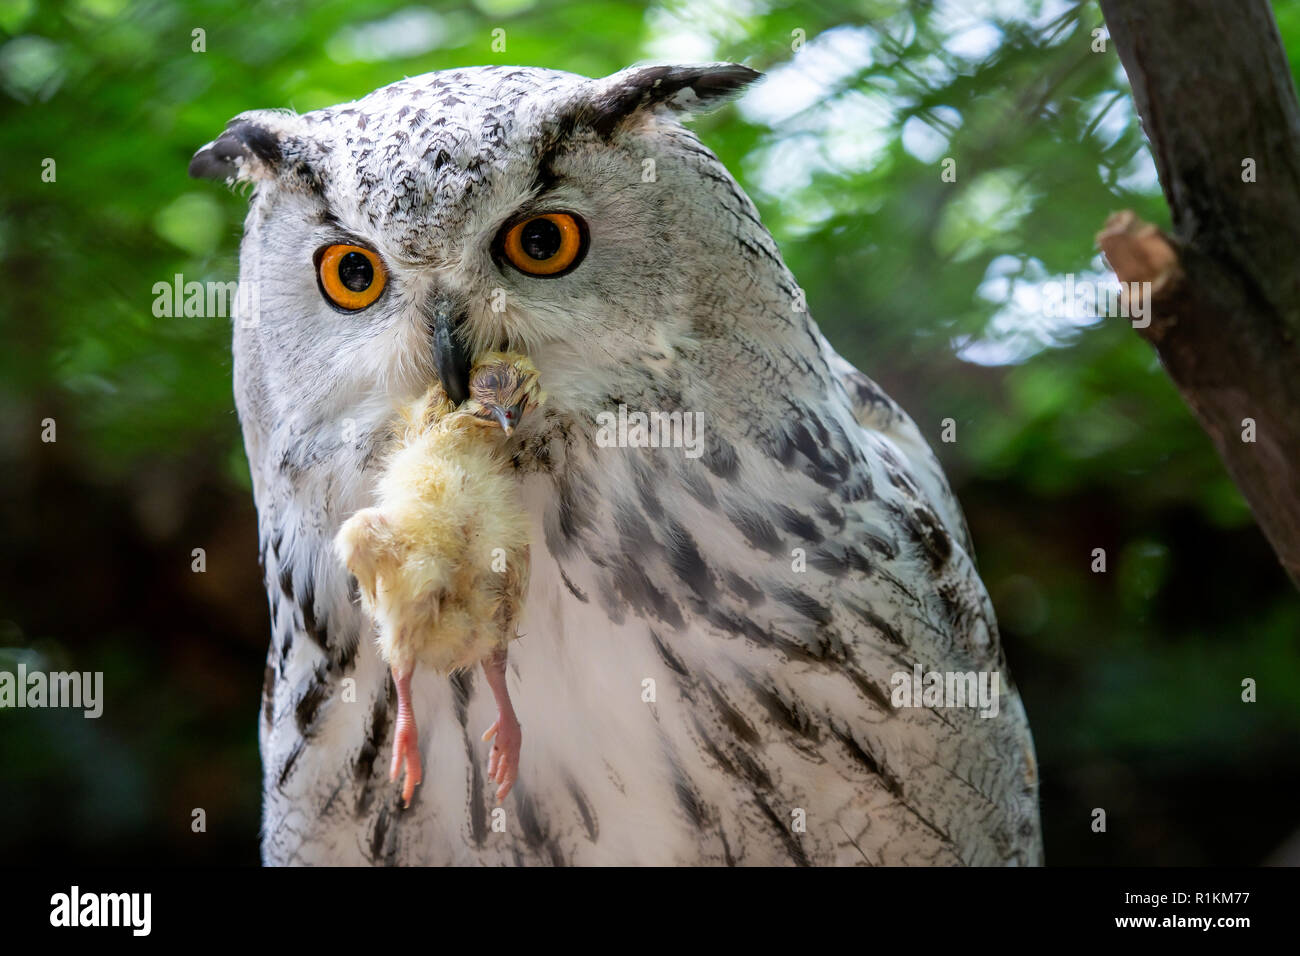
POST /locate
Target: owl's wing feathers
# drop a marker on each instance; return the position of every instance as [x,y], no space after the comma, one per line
[875,411]
[786,578]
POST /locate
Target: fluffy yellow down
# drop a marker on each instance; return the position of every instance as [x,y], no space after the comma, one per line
[442,560]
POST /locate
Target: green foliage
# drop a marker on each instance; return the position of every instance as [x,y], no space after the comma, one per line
[1069,435]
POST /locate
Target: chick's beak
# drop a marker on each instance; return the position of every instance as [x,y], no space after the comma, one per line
[450,357]
[507,416]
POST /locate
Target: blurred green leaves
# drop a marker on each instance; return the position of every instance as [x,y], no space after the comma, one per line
[193,222]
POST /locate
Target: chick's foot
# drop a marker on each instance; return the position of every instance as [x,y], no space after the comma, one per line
[506,734]
[406,741]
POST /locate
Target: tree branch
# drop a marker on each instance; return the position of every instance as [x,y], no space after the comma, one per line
[1213,87]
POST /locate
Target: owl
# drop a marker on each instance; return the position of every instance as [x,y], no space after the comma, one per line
[753,606]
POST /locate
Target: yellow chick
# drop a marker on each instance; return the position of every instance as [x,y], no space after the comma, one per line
[442,561]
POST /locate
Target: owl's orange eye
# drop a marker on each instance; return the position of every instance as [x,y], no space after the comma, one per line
[546,245]
[350,276]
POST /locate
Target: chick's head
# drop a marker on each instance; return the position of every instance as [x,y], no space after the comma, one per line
[503,387]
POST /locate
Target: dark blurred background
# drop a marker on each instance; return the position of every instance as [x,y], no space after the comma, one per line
[1069,435]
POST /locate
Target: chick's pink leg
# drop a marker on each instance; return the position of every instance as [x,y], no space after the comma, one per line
[506,734]
[406,742]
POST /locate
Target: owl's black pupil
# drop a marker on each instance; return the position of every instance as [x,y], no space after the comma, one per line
[540,239]
[356,272]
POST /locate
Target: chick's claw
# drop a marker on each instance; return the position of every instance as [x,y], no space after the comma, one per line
[406,752]
[503,763]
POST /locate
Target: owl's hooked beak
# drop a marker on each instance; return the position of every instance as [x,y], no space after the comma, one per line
[450,357]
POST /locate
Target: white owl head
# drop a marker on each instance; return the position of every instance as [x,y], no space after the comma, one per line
[499,207]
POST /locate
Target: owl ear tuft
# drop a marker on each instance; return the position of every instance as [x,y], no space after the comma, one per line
[248,151]
[686,88]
